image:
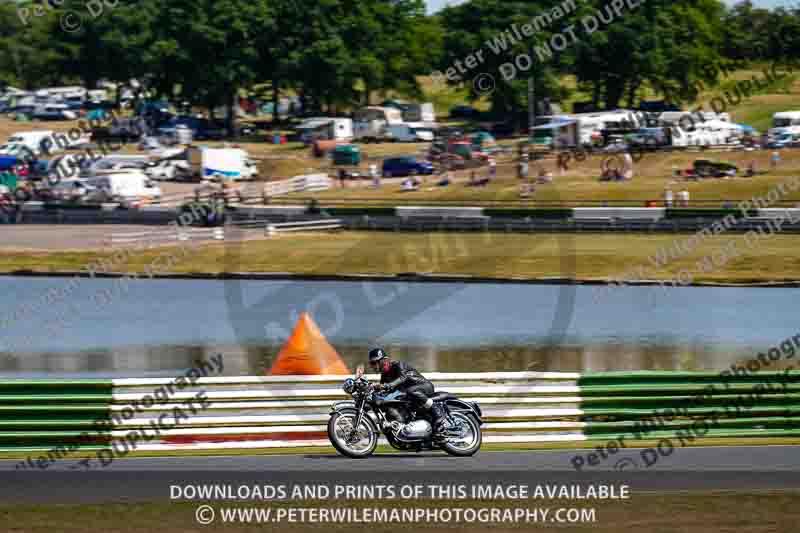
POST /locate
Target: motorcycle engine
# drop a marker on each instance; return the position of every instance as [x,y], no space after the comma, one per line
[416,430]
[397,414]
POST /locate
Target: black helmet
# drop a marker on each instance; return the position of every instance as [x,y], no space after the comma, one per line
[375,355]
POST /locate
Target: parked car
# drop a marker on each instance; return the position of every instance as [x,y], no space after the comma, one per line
[169,169]
[54,112]
[782,141]
[20,110]
[405,166]
[202,129]
[346,154]
[464,111]
[76,190]
[409,133]
[35,142]
[706,168]
[504,129]
[616,143]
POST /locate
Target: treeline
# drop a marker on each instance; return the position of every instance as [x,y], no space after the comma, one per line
[334,54]
[649,47]
[331,53]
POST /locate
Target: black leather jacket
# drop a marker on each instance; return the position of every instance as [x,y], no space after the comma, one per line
[403,375]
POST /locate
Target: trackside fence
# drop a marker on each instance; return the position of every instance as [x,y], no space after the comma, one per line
[536,409]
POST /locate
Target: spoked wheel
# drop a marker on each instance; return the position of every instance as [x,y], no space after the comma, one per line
[464,438]
[350,441]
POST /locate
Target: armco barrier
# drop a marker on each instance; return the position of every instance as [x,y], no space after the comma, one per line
[532,408]
[163,237]
[308,225]
[434,218]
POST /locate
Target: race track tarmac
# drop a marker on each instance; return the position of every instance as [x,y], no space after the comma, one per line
[149,479]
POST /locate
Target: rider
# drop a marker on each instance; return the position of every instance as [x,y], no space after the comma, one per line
[400,375]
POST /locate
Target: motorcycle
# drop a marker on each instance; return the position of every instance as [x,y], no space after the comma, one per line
[355,426]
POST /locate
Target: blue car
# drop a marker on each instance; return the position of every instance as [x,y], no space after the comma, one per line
[397,167]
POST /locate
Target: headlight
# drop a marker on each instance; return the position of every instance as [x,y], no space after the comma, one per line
[349,385]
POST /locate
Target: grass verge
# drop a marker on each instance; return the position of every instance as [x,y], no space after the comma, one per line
[489,255]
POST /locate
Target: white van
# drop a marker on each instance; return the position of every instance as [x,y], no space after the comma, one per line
[129,186]
[221,164]
[409,133]
[786,122]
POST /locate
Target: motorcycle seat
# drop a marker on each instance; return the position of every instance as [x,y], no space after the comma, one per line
[442,396]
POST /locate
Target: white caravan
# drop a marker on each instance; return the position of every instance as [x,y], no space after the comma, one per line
[412,132]
[785,123]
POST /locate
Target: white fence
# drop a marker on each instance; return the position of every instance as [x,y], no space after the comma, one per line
[292,411]
[537,409]
[162,237]
[308,183]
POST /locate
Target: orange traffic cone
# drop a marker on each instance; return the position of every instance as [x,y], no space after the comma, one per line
[307,352]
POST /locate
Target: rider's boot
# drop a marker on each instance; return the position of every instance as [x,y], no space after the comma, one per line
[439,422]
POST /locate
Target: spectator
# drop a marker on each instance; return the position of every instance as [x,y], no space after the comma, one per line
[492,168]
[5,206]
[751,169]
[563,160]
[526,190]
[342,177]
[409,185]
[627,167]
[522,168]
[375,176]
[775,159]
[606,173]
[544,176]
[668,197]
[683,198]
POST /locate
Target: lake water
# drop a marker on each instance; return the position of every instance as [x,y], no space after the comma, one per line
[61,327]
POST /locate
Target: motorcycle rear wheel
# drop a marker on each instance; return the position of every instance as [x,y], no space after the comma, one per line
[468,445]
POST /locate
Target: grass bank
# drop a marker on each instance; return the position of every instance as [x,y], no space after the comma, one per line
[582,256]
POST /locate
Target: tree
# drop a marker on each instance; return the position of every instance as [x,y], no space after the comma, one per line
[672,45]
[482,29]
[204,51]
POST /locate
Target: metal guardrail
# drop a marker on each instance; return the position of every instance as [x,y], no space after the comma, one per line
[166,237]
[308,225]
[540,409]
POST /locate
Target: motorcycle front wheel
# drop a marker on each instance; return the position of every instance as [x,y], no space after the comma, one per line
[356,443]
[469,441]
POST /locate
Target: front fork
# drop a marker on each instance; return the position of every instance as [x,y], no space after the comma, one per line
[360,416]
